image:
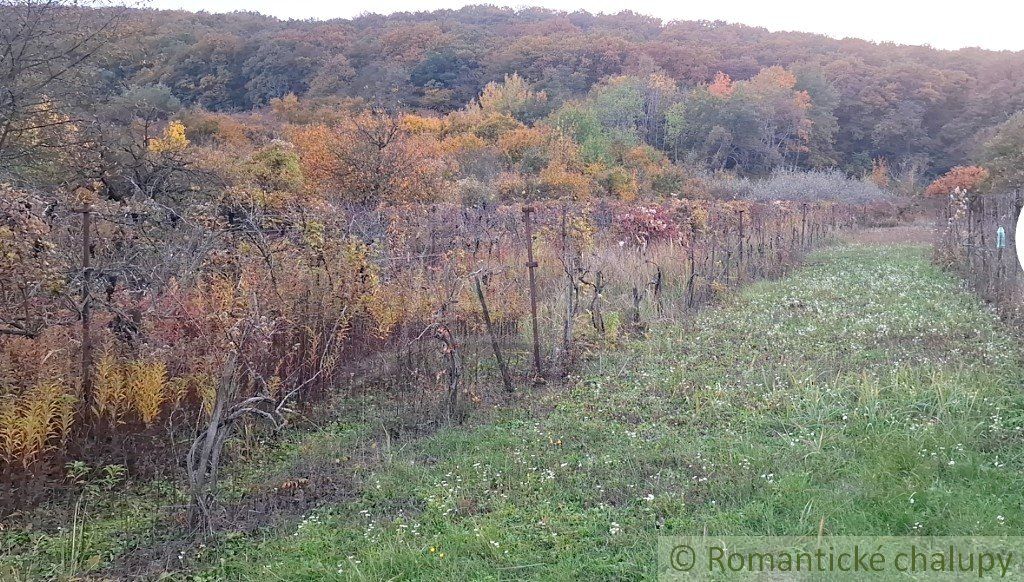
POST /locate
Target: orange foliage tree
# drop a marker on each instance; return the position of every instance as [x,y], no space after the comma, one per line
[966,178]
[373,159]
[721,86]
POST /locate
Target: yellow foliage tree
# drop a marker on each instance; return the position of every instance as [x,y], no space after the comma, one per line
[419,124]
[173,139]
[512,97]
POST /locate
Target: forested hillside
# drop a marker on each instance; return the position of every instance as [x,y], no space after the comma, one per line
[831,102]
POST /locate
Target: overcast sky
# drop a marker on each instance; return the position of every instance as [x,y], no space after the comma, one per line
[989,24]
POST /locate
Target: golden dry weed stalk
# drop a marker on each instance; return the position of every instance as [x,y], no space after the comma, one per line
[139,388]
[35,422]
[148,381]
[111,395]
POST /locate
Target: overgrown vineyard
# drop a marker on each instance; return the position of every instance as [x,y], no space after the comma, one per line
[432,317]
[254,273]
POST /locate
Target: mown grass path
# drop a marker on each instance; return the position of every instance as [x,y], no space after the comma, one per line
[866,390]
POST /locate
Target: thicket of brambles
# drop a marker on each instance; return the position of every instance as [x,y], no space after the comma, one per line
[214,220]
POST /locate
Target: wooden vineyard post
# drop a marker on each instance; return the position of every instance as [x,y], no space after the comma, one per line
[970,234]
[531,264]
[690,283]
[1014,214]
[595,304]
[86,307]
[739,263]
[803,224]
[505,377]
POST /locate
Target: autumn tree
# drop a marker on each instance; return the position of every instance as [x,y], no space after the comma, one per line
[705,124]
[757,124]
[721,86]
[333,78]
[965,178]
[371,160]
[1003,153]
[512,97]
[821,141]
[148,158]
[46,47]
[782,112]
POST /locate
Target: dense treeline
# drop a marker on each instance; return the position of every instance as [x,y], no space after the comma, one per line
[916,107]
[87,106]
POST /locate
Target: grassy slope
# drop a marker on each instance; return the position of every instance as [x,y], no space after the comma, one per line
[865,390]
